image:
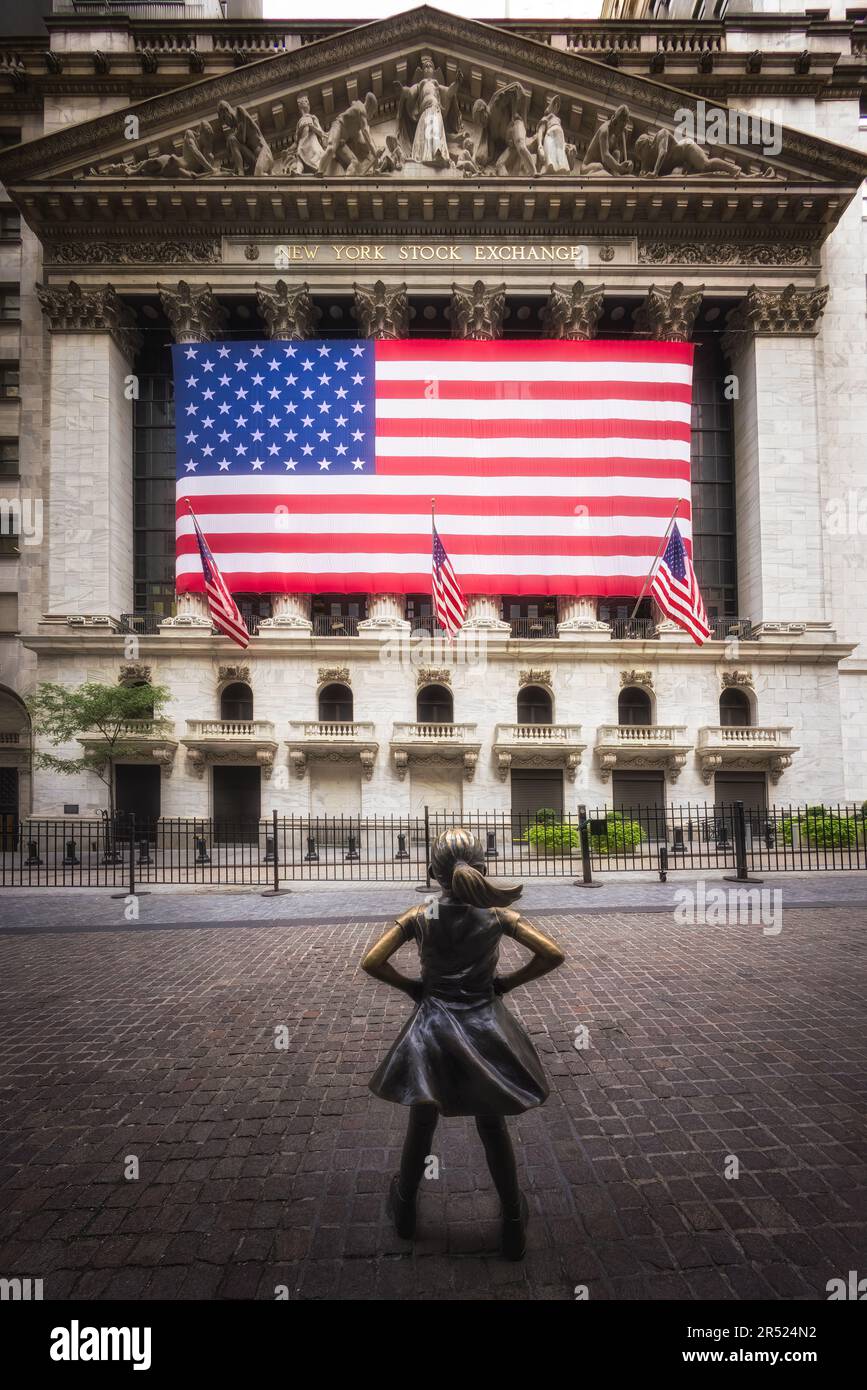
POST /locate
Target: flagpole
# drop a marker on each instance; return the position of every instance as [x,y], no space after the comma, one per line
[655,560]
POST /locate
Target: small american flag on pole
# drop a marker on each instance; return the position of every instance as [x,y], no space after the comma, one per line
[223,609]
[449,603]
[675,588]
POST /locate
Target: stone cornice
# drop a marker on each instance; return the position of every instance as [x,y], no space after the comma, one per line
[414,28]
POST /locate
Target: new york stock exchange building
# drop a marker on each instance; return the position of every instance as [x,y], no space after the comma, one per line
[197,177]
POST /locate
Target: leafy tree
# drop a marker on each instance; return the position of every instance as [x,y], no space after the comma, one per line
[103,713]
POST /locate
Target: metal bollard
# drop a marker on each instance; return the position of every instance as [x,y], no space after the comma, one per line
[71,855]
[663,864]
[678,846]
[269,850]
[402,851]
[586,880]
[144,851]
[202,856]
[312,855]
[352,849]
[492,852]
[32,853]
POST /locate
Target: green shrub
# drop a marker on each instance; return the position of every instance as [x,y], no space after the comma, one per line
[553,838]
[546,815]
[822,830]
[620,834]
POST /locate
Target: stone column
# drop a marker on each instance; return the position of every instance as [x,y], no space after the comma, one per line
[778,487]
[385,614]
[478,313]
[90,522]
[483,614]
[576,619]
[195,317]
[290,616]
[573,313]
[288,312]
[382,312]
[669,313]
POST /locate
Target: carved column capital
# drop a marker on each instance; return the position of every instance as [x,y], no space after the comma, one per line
[382,312]
[669,313]
[74,310]
[194,314]
[478,313]
[774,313]
[573,313]
[288,312]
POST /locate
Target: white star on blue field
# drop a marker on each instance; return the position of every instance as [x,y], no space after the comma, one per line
[274,407]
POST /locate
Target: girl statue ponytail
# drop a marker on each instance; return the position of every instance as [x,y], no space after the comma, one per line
[458,863]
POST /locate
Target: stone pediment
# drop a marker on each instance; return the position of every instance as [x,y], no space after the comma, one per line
[428,117]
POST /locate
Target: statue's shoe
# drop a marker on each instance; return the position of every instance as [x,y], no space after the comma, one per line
[401,1210]
[513,1238]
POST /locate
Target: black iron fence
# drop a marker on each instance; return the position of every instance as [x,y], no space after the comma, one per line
[130,852]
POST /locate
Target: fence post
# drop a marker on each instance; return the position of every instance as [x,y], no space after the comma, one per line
[425,887]
[587,880]
[131,891]
[663,864]
[741,874]
[276,891]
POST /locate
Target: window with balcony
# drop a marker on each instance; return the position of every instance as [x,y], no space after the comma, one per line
[734,709]
[336,615]
[634,706]
[435,705]
[420,614]
[535,706]
[8,458]
[336,704]
[531,617]
[236,702]
[9,381]
[253,608]
[617,612]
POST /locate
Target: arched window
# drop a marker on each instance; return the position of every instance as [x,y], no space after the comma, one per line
[236,701]
[335,704]
[534,705]
[734,708]
[435,705]
[634,707]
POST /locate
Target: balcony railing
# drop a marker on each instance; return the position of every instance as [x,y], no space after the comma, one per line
[435,733]
[141,9]
[339,626]
[329,731]
[538,733]
[534,627]
[230,728]
[731,629]
[143,624]
[634,629]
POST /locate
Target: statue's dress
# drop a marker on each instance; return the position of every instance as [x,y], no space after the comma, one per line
[462,1050]
[430,145]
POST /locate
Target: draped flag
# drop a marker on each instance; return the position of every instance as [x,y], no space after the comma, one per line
[555,464]
[675,588]
[223,609]
[449,603]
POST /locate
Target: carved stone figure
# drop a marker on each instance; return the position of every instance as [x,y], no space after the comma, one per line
[426,112]
[551,148]
[666,153]
[606,153]
[382,312]
[503,148]
[305,153]
[196,158]
[349,147]
[287,312]
[478,313]
[465,161]
[390,160]
[573,314]
[248,150]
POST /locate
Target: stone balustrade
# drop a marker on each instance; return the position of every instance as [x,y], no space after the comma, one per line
[745,747]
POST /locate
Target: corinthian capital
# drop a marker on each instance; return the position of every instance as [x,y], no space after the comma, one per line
[669,313]
[382,312]
[774,313]
[573,313]
[74,310]
[478,313]
[287,312]
[194,314]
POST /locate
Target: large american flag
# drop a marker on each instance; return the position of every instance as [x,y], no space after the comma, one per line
[555,465]
[675,588]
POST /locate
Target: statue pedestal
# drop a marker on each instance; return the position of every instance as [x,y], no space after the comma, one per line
[412,169]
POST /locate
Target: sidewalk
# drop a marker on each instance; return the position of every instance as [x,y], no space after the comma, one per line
[72,909]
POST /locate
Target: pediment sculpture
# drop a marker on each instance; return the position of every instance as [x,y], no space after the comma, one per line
[427,112]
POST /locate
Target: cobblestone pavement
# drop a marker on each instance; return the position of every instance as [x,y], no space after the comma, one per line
[262,1167]
[373,902]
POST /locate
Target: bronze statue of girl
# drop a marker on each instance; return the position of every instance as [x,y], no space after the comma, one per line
[462,1052]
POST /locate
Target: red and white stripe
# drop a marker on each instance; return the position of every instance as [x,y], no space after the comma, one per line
[225,614]
[681,601]
[554,466]
[450,606]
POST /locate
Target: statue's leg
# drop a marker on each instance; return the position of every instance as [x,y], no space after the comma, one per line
[501,1162]
[416,1149]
